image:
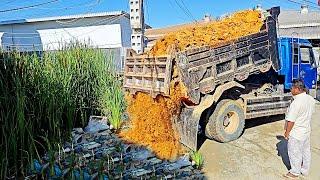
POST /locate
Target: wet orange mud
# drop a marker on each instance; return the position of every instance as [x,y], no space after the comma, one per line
[151,119]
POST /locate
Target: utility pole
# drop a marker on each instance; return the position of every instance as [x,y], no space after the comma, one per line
[137,25]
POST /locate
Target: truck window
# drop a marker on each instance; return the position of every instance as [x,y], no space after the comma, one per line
[306,56]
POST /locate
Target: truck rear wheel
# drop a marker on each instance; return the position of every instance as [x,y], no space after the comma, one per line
[226,122]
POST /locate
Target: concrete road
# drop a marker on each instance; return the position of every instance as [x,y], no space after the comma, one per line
[260,153]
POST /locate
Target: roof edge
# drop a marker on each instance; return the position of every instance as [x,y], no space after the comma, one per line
[67,17]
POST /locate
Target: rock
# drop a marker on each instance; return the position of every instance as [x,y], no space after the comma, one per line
[31,177]
[91,145]
[108,151]
[57,171]
[140,172]
[77,138]
[142,155]
[168,176]
[78,149]
[183,161]
[100,139]
[105,133]
[115,160]
[78,130]
[154,161]
[87,155]
[66,150]
[37,166]
[65,172]
[193,163]
[96,124]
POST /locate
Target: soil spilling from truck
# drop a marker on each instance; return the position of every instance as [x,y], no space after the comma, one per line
[230,28]
[151,119]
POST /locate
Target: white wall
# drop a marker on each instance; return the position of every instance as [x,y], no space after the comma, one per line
[103,36]
[102,32]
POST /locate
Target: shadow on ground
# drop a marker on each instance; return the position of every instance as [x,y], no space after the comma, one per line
[282,148]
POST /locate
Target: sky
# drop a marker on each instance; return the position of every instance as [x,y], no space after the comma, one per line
[158,13]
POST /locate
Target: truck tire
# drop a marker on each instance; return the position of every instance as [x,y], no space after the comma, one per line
[226,122]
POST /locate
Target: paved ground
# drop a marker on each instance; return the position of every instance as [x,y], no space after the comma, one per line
[259,153]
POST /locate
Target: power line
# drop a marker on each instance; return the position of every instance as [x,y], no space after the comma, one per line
[187,9]
[82,5]
[77,19]
[187,13]
[28,7]
[173,8]
[53,11]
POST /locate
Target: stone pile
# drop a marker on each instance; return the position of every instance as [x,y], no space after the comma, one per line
[101,154]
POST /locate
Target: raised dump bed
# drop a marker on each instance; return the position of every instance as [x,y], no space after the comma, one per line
[202,69]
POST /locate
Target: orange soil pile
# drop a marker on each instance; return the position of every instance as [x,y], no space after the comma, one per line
[151,121]
[239,24]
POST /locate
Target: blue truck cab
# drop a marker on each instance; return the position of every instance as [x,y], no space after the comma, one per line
[297,60]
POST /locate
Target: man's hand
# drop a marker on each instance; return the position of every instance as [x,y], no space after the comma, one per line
[288,129]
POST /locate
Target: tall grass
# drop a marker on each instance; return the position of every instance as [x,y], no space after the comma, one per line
[47,95]
[113,105]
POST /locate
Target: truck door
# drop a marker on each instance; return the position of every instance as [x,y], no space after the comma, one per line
[308,71]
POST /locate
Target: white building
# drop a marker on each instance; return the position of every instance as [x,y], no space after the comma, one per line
[110,31]
[302,23]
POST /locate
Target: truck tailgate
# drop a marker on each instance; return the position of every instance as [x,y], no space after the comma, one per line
[144,73]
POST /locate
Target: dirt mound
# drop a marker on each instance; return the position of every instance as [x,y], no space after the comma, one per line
[239,24]
[151,123]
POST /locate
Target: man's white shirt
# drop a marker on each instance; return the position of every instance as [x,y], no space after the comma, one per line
[300,112]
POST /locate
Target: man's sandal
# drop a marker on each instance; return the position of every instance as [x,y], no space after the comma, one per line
[290,176]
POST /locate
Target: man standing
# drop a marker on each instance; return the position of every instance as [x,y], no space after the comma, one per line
[298,129]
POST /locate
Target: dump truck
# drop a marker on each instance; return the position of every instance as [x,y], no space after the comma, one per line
[243,79]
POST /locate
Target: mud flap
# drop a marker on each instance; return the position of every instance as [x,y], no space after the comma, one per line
[187,126]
